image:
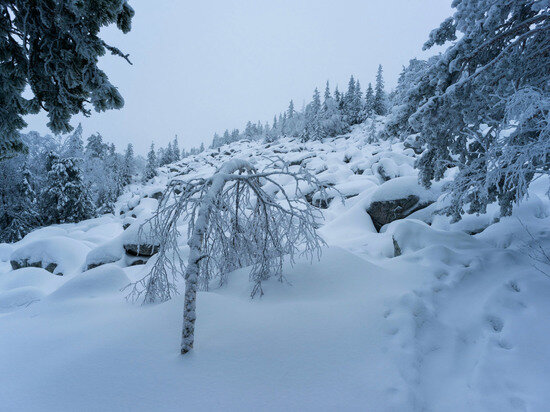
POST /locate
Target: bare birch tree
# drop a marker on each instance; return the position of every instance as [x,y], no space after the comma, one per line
[238,217]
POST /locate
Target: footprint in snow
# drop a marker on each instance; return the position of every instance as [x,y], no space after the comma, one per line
[504,344]
[392,331]
[441,275]
[513,286]
[495,323]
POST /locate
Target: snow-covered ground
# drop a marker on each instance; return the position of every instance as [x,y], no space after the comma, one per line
[425,315]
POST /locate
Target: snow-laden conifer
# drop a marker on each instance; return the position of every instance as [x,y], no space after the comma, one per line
[54,47]
[151,165]
[380,104]
[65,198]
[487,112]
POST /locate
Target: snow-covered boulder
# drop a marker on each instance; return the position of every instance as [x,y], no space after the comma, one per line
[101,281]
[127,221]
[30,277]
[133,246]
[137,240]
[414,235]
[109,252]
[387,169]
[398,198]
[157,195]
[141,249]
[57,254]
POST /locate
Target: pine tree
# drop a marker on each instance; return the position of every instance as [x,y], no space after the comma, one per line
[21,214]
[331,122]
[95,147]
[48,46]
[129,165]
[216,142]
[249,131]
[271,133]
[379,94]
[359,105]
[291,110]
[235,136]
[151,166]
[275,130]
[114,164]
[74,146]
[312,129]
[352,106]
[487,108]
[65,198]
[168,155]
[226,137]
[412,87]
[369,101]
[327,94]
[338,97]
[175,150]
[348,101]
[260,131]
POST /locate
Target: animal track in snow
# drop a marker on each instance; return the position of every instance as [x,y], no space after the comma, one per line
[496,323]
[514,287]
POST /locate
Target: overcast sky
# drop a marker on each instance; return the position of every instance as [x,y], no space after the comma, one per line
[204,66]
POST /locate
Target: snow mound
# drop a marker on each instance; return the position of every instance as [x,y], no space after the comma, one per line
[402,187]
[5,252]
[19,297]
[109,252]
[352,223]
[414,235]
[65,253]
[31,276]
[101,281]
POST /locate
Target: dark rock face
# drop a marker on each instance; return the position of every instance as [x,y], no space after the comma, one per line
[94,265]
[51,267]
[319,203]
[24,263]
[18,264]
[156,195]
[102,262]
[137,262]
[386,211]
[382,172]
[144,250]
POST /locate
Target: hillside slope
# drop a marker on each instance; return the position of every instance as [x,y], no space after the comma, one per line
[422,314]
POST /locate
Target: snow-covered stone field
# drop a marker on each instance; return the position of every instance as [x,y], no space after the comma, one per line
[405,310]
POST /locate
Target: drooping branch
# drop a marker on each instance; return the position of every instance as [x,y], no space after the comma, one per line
[238,217]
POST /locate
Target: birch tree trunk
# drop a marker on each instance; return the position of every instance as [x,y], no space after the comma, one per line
[195,248]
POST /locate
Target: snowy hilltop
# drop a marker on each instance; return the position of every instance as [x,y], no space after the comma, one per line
[406,308]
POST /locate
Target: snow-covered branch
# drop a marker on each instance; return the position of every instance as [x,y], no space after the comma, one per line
[238,217]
